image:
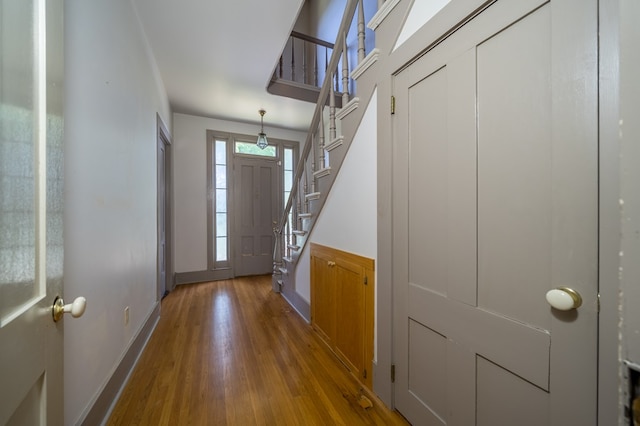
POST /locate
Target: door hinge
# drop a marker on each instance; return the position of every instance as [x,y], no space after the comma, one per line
[364,373]
[598,302]
[393,373]
[393,105]
[366,280]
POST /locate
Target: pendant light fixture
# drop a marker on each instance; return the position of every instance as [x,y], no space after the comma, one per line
[262,136]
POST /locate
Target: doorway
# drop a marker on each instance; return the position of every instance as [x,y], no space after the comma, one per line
[165,281]
[247,188]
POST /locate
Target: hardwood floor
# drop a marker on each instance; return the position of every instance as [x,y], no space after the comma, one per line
[235,353]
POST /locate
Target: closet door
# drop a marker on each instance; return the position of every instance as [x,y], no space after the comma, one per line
[495,204]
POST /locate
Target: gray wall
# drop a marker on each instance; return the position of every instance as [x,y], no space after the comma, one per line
[113,93]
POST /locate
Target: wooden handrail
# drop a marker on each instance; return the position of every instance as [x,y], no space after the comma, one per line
[311,39]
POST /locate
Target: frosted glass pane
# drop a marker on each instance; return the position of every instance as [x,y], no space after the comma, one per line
[288,159]
[221,249]
[221,200]
[221,152]
[221,224]
[221,176]
[17,156]
[288,179]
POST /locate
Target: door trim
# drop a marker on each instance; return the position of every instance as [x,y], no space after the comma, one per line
[163,138]
[227,271]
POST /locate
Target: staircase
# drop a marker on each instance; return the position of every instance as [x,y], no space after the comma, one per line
[331,132]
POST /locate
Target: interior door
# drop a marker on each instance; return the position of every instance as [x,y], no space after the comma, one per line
[31,198]
[256,205]
[162,210]
[495,203]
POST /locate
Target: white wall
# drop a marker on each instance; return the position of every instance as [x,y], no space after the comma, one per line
[348,220]
[112,95]
[419,15]
[190,182]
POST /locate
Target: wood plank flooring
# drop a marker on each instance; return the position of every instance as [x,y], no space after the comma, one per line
[235,353]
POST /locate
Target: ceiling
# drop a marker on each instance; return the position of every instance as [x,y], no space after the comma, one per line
[216,57]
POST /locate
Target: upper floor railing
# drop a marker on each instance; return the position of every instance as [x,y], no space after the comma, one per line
[303,58]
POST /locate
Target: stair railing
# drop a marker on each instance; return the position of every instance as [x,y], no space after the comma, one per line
[313,161]
[305,70]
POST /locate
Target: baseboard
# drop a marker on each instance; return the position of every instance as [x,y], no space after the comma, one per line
[98,412]
[298,303]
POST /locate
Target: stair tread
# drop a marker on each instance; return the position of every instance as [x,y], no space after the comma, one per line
[313,195]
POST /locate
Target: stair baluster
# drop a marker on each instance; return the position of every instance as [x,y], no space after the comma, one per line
[345,75]
[332,114]
[361,52]
[305,190]
[321,144]
[293,59]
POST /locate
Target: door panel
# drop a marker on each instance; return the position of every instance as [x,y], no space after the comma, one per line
[350,331]
[31,197]
[499,388]
[428,358]
[514,140]
[256,195]
[495,203]
[323,291]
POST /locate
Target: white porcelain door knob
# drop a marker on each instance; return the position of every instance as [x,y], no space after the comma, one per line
[564,299]
[76,309]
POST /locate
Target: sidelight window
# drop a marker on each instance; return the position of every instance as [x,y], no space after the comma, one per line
[221,222]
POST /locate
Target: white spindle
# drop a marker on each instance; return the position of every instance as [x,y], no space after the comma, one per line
[305,191]
[345,74]
[361,52]
[321,144]
[332,114]
[313,166]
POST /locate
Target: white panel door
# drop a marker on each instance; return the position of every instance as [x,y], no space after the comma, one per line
[31,199]
[495,203]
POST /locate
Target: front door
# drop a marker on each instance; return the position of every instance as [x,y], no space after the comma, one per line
[31,199]
[495,203]
[256,206]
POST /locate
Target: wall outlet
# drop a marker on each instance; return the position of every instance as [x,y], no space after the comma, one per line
[126,316]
